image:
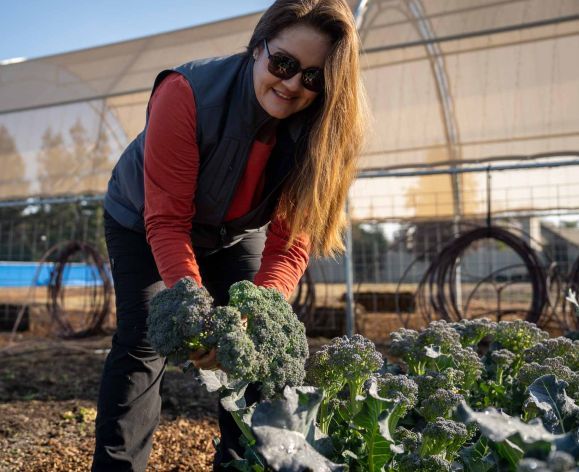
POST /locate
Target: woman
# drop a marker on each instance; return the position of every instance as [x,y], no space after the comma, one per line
[232,146]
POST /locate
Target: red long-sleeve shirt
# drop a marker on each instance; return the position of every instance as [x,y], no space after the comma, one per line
[171,173]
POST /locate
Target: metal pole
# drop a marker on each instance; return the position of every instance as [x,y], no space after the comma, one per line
[350,313]
[360,11]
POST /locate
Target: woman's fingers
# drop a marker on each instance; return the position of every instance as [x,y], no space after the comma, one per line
[205,359]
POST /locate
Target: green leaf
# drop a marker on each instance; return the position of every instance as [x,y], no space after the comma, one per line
[374,421]
[558,411]
[286,433]
[289,451]
[234,400]
[530,437]
[510,452]
[479,457]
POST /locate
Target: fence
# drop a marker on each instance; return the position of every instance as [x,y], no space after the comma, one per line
[400,227]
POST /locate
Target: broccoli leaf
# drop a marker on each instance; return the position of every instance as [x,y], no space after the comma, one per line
[296,411]
[375,420]
[286,433]
[289,451]
[500,427]
[558,411]
[479,457]
[217,380]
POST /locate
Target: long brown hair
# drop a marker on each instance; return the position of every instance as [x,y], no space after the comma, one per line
[314,197]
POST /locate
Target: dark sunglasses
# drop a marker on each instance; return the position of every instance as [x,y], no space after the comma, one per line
[285,67]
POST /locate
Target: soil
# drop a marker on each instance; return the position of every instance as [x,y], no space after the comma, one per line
[48,392]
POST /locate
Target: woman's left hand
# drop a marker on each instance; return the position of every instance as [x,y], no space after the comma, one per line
[206,360]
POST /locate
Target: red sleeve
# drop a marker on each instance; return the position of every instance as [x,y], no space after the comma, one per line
[171,172]
[281,268]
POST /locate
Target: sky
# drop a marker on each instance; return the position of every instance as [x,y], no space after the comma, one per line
[36,28]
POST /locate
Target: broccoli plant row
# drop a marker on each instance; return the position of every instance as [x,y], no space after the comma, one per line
[420,414]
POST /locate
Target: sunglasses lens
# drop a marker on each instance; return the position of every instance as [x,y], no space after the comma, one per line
[283,66]
[313,79]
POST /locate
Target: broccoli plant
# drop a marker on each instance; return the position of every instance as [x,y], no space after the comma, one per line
[345,361]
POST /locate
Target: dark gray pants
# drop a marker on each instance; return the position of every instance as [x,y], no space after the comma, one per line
[129,401]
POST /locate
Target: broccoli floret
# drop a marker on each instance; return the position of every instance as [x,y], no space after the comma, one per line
[441,334]
[466,360]
[429,383]
[440,405]
[416,463]
[179,317]
[518,335]
[402,345]
[472,332]
[410,440]
[532,371]
[502,359]
[400,388]
[272,349]
[556,347]
[350,360]
[443,437]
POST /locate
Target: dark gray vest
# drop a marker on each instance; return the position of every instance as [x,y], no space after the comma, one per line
[228,119]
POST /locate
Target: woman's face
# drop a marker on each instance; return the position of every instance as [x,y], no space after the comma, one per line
[282,98]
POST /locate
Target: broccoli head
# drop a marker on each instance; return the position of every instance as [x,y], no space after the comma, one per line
[443,437]
[344,360]
[472,332]
[402,345]
[429,383]
[518,335]
[416,463]
[277,334]
[402,390]
[437,347]
[502,358]
[410,440]
[179,318]
[441,404]
[564,348]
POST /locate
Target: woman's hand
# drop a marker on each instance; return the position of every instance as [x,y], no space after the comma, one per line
[203,359]
[207,360]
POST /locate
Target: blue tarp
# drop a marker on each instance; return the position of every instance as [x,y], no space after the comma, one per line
[21,274]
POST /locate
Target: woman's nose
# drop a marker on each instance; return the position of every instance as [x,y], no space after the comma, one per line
[294,83]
